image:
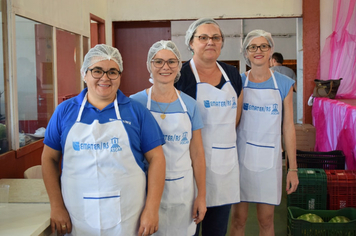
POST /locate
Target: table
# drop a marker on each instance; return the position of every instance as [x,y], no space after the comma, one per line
[28,211]
[24,219]
[26,190]
[335,124]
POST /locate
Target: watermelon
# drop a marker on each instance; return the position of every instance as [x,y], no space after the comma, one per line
[311,218]
[339,219]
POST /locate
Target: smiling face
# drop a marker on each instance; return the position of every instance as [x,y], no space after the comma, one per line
[209,50]
[259,58]
[165,74]
[102,89]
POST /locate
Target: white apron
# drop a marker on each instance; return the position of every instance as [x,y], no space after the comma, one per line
[259,145]
[102,186]
[218,110]
[176,209]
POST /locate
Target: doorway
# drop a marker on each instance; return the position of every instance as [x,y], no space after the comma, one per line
[134,39]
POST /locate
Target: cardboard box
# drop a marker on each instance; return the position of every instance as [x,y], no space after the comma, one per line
[305,134]
[305,139]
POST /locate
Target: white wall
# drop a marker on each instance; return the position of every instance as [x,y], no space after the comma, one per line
[70,15]
[326,19]
[138,10]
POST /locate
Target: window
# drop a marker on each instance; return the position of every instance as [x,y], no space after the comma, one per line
[34,63]
[4,144]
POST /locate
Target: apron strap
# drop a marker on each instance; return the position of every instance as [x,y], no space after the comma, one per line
[85,101]
[82,107]
[196,75]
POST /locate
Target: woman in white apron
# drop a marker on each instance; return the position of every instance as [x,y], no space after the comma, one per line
[178,116]
[216,87]
[104,140]
[268,96]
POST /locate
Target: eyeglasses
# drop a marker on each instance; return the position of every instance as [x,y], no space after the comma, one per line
[263,47]
[205,38]
[98,73]
[159,63]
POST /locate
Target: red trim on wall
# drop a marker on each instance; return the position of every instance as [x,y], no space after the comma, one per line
[311,52]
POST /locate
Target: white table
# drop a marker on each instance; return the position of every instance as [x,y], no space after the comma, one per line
[24,219]
[28,211]
[26,190]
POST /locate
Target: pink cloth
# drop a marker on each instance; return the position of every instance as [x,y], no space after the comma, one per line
[335,125]
[338,59]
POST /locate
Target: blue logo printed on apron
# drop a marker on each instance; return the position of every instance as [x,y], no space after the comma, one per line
[245,106]
[275,109]
[76,146]
[115,145]
[184,139]
[234,104]
[207,103]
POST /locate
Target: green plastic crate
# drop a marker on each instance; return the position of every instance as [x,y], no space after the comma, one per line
[311,193]
[297,227]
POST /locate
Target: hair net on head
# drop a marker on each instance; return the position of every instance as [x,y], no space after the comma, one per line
[255,34]
[158,46]
[193,28]
[101,52]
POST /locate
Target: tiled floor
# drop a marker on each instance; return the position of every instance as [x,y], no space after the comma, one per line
[280,216]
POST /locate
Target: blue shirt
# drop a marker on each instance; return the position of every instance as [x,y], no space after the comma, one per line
[141,127]
[174,107]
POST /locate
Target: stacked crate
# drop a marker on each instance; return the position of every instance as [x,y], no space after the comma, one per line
[311,191]
[341,185]
[299,227]
[323,183]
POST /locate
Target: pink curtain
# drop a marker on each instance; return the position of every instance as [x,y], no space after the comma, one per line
[338,58]
[335,124]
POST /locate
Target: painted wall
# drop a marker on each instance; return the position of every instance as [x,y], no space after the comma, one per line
[70,15]
[326,21]
[130,10]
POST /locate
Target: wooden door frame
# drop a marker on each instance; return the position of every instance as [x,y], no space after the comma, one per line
[101,28]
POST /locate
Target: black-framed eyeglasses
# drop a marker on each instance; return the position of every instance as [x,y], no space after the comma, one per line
[98,73]
[159,63]
[264,47]
[205,38]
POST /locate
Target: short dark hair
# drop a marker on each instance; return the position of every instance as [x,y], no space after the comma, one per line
[278,57]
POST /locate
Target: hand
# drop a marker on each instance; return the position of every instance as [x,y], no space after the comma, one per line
[199,209]
[292,182]
[148,222]
[60,221]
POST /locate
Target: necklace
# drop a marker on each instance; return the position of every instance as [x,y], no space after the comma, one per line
[163,115]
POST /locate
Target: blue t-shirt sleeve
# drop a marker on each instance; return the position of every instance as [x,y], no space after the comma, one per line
[284,83]
[193,111]
[140,97]
[54,130]
[151,135]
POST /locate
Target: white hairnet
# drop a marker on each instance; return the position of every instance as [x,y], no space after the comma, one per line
[256,34]
[101,52]
[158,46]
[193,28]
